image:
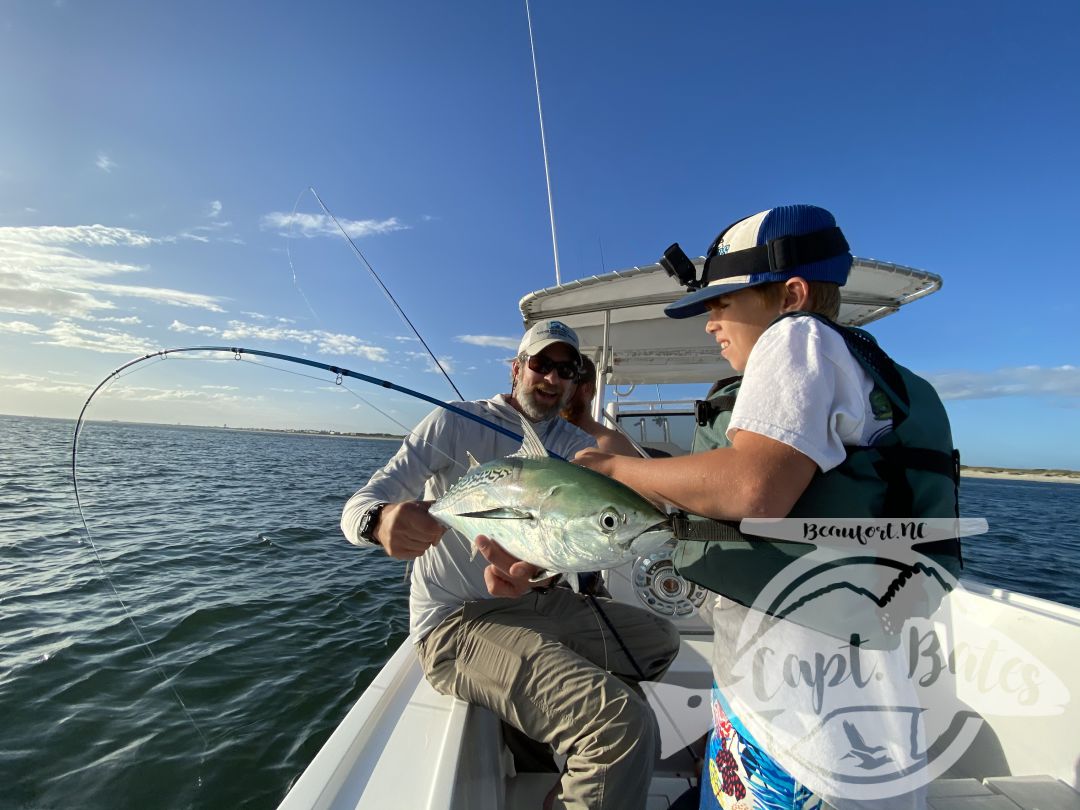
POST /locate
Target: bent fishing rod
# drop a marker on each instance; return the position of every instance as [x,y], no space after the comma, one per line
[238,353]
[339,372]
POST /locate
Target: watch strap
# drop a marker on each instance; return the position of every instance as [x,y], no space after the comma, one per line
[369,522]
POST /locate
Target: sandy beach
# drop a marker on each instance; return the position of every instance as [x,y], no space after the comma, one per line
[1053,476]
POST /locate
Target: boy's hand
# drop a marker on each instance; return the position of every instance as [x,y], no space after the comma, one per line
[406,530]
[507,575]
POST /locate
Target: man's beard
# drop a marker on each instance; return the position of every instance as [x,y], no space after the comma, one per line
[535,410]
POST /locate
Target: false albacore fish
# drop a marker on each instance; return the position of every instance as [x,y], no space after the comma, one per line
[559,516]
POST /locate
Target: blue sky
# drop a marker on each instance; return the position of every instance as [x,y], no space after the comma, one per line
[152,157]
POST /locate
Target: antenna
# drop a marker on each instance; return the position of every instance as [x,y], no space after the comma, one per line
[543,145]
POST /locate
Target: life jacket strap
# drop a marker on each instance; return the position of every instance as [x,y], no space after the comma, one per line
[873,359]
[685,529]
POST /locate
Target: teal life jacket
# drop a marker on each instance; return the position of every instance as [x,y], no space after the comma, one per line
[911,472]
[713,415]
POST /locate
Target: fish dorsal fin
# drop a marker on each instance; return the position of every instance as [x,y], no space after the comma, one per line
[473,463]
[531,446]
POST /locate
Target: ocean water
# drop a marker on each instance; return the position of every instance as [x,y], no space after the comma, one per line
[263,621]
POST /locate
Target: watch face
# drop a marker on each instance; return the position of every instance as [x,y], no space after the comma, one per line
[368,521]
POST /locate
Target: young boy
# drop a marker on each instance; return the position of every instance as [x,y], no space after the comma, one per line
[803,396]
[811,433]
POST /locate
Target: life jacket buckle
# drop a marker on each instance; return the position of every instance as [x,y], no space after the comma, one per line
[703,412]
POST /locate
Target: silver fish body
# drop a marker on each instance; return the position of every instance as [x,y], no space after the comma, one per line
[553,514]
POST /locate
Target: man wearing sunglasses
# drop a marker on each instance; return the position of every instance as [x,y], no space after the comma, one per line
[534,654]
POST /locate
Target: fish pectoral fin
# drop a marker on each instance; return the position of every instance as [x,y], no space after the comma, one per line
[499,513]
[541,576]
[575,583]
[473,463]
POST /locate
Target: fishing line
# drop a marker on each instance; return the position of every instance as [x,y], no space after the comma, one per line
[410,432]
[101,564]
[366,402]
[386,292]
[134,366]
[603,635]
[288,254]
[543,145]
[340,373]
[599,611]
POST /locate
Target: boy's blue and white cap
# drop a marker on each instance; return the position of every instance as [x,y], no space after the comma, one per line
[544,333]
[774,245]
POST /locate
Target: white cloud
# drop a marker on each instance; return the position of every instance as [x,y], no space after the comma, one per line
[27,298]
[310,225]
[130,320]
[42,385]
[94,235]
[206,394]
[446,362]
[19,328]
[104,163]
[490,340]
[40,273]
[187,395]
[100,235]
[1028,381]
[106,341]
[179,326]
[214,209]
[323,341]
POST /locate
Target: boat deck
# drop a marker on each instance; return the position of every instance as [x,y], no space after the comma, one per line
[405,745]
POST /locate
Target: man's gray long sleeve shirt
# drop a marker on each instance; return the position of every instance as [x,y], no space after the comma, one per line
[428,463]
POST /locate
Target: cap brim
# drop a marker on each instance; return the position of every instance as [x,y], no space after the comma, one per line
[694,303]
[536,348]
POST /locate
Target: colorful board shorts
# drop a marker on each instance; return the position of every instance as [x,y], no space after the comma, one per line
[740,775]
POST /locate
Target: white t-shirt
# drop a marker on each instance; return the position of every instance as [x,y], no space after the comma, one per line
[802,387]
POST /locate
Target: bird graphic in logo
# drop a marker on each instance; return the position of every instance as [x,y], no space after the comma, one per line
[866,754]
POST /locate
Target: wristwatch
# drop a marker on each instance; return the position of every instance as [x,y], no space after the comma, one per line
[369,522]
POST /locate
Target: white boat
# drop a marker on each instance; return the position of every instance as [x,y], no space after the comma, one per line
[405,746]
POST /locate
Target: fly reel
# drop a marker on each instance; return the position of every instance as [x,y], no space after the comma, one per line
[661,589]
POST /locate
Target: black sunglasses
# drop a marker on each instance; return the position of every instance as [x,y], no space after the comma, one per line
[566,369]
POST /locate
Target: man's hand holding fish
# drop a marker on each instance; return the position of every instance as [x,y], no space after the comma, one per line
[507,575]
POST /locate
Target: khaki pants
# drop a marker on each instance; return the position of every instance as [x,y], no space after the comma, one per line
[549,665]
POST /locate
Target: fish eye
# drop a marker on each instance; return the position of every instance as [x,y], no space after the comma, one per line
[609,519]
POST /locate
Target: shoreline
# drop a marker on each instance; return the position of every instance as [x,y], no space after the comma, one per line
[336,434]
[1049,476]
